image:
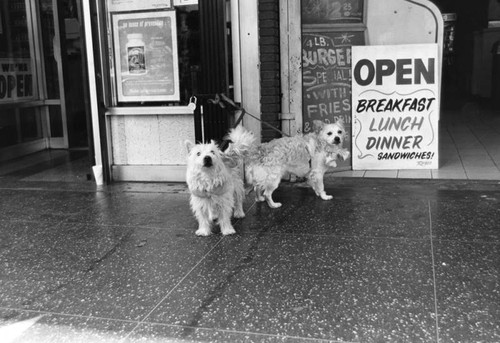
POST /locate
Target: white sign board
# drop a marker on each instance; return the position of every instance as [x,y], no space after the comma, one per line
[395,106]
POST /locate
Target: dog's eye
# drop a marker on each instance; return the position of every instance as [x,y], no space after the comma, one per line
[198,154]
[213,152]
[330,133]
[339,132]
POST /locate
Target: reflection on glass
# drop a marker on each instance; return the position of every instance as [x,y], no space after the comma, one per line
[8,130]
[16,71]
[56,126]
[30,123]
[49,46]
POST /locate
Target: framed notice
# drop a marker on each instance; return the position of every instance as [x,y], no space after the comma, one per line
[326,78]
[332,11]
[395,98]
[137,5]
[145,55]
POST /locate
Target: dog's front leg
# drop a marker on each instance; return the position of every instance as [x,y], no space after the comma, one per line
[273,183]
[269,198]
[239,197]
[259,197]
[344,153]
[203,225]
[226,228]
[316,182]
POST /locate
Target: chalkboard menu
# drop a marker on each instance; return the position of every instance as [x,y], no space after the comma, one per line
[331,12]
[326,77]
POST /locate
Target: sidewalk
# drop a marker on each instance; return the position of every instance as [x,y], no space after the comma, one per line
[385,261]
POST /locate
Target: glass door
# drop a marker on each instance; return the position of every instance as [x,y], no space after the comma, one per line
[21,125]
[53,87]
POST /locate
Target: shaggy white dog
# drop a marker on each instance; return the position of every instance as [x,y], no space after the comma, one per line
[307,155]
[215,180]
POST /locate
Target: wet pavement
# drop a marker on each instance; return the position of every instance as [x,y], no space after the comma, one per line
[387,260]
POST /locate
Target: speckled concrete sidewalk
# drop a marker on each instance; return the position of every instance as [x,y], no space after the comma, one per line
[384,261]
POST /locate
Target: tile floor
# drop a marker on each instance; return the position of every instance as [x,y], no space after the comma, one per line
[384,261]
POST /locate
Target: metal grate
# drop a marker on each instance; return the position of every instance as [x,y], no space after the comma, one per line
[214,122]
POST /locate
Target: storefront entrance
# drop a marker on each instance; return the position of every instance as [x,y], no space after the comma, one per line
[42,89]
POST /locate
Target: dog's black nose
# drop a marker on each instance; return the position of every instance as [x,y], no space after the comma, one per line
[207,161]
[336,140]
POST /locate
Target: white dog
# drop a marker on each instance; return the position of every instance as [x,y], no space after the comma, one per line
[307,155]
[215,179]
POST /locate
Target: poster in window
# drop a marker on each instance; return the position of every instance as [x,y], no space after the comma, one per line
[145,51]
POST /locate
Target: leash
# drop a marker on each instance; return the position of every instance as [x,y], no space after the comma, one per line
[221,100]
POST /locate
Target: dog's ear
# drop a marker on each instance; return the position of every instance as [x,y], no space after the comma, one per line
[340,121]
[189,145]
[214,143]
[318,125]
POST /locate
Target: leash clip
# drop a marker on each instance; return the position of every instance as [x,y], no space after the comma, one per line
[192,103]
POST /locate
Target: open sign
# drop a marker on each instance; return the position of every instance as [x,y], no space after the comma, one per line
[16,80]
[406,71]
[395,101]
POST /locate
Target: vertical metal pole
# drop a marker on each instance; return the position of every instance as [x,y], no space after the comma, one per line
[94,108]
[235,36]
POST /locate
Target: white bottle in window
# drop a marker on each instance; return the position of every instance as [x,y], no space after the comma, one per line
[136,54]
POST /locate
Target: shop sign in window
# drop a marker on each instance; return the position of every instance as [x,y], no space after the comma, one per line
[16,80]
[145,51]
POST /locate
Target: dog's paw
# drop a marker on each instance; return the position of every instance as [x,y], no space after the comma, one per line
[275,205]
[203,232]
[344,154]
[326,197]
[228,231]
[331,163]
[238,214]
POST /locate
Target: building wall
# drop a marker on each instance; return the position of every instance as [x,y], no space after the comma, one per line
[269,44]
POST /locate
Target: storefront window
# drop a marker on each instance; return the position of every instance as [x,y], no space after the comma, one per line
[18,122]
[155,52]
[16,67]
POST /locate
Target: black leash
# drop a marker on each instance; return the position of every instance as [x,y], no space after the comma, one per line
[221,100]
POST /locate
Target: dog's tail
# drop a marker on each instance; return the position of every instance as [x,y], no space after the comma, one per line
[242,142]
